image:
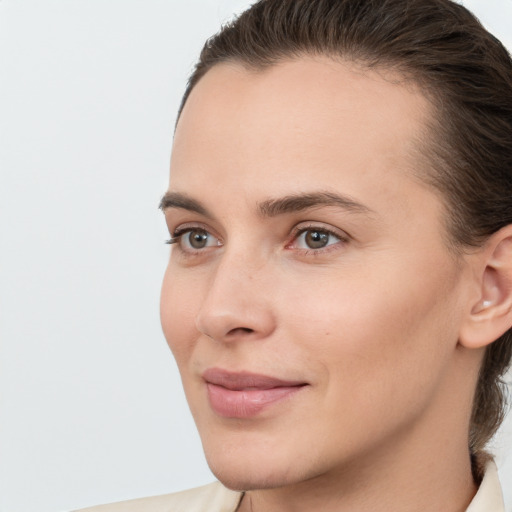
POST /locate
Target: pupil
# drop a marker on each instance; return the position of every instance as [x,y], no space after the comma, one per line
[198,239]
[316,239]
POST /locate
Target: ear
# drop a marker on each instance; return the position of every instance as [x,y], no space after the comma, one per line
[490,313]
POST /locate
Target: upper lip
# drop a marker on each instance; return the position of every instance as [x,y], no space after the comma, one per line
[238,381]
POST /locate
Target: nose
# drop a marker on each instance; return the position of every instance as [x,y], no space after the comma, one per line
[237,304]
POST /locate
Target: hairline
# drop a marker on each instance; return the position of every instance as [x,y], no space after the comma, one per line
[423,147]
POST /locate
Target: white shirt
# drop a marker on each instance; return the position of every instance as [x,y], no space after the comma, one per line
[217,498]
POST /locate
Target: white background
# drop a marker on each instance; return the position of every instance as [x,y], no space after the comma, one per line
[91,405]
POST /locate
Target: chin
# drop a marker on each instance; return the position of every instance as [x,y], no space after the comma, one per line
[242,477]
[246,470]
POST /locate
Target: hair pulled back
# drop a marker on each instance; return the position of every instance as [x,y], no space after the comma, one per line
[464,71]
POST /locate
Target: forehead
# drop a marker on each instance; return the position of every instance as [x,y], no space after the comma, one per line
[299,126]
[308,103]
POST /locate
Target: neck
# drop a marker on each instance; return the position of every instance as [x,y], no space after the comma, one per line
[388,482]
[424,466]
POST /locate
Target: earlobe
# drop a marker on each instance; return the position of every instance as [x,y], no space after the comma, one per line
[490,315]
[491,293]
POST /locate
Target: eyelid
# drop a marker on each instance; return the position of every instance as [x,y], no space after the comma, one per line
[342,238]
[320,226]
[183,229]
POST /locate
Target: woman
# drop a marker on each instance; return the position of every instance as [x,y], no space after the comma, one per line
[339,292]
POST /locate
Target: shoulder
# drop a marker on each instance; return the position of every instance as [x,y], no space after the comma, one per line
[489,497]
[208,498]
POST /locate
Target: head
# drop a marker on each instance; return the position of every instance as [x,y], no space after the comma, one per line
[413,117]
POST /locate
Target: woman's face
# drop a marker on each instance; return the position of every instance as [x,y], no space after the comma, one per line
[310,300]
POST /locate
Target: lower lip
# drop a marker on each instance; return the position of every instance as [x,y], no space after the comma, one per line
[246,403]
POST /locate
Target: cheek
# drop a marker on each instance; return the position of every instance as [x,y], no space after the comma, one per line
[379,325]
[178,311]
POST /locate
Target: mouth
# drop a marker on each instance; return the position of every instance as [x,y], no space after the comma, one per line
[244,394]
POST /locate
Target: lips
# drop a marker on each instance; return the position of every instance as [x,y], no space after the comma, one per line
[243,394]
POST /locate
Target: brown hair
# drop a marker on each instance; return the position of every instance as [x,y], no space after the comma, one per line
[465,72]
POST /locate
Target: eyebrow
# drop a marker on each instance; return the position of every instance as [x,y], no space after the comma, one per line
[178,200]
[272,207]
[300,202]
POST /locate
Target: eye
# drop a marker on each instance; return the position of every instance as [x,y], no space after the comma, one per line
[193,239]
[315,238]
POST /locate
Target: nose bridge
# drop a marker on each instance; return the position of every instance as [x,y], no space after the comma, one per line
[237,302]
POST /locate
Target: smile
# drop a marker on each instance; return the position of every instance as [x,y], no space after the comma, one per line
[244,395]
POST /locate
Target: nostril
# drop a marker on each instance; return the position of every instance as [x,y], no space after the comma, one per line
[240,330]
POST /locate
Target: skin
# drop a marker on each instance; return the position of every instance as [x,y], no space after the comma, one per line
[371,322]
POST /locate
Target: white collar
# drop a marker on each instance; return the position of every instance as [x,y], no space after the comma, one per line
[489,497]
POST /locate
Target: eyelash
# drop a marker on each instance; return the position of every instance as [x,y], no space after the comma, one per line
[296,233]
[183,230]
